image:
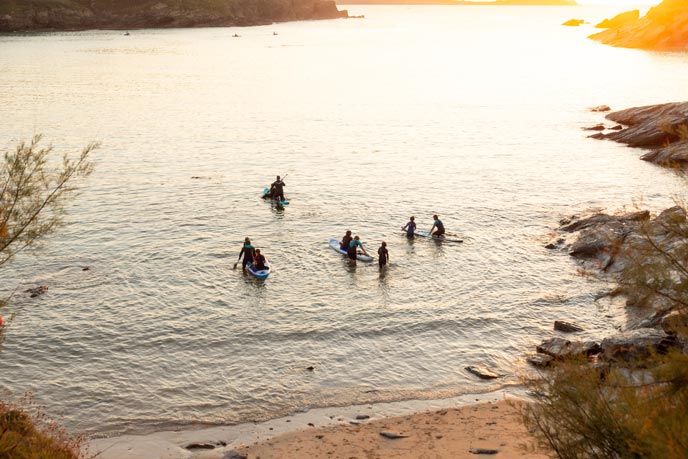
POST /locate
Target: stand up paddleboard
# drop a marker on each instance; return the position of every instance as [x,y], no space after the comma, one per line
[334,243]
[434,238]
[260,274]
[266,195]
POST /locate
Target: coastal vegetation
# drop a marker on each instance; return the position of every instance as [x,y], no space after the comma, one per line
[35,186]
[628,396]
[26,15]
[27,433]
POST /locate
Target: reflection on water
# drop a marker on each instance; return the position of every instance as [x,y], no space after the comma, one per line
[470,113]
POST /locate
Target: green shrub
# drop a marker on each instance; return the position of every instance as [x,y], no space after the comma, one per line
[26,433]
[583,411]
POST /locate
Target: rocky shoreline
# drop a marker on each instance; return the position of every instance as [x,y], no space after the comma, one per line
[662,128]
[33,16]
[664,27]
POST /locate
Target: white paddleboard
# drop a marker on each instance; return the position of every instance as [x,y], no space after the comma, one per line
[334,243]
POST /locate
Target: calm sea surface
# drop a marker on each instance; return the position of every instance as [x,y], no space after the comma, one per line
[474,113]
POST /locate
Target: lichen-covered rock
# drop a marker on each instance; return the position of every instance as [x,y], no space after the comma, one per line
[633,345]
[540,360]
[561,348]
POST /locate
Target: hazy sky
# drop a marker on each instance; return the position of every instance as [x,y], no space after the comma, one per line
[620,2]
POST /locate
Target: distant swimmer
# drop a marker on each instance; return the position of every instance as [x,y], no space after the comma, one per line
[277,189]
[353,248]
[346,240]
[248,252]
[437,224]
[383,255]
[410,227]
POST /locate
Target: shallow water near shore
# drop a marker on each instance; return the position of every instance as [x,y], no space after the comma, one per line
[474,113]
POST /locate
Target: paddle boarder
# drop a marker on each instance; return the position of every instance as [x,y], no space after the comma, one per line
[277,189]
[259,261]
[437,224]
[383,254]
[353,248]
[410,228]
[248,252]
[346,240]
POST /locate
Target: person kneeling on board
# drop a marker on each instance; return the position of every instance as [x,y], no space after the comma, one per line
[277,189]
[410,228]
[437,224]
[259,261]
[353,248]
[383,254]
[346,240]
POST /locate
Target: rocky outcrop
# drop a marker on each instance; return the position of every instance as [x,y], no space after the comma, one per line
[32,15]
[567,327]
[632,345]
[620,20]
[664,27]
[662,127]
[573,22]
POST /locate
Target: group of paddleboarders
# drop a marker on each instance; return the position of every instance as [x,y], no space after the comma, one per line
[410,228]
[349,243]
[252,256]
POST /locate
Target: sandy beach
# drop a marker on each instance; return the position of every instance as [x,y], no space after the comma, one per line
[446,428]
[467,432]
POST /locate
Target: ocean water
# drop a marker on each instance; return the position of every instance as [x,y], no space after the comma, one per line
[473,113]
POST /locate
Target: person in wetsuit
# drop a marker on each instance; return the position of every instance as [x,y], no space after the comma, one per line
[259,261]
[248,252]
[410,228]
[353,247]
[383,255]
[346,240]
[277,189]
[437,224]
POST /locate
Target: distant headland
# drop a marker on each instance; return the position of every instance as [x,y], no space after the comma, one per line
[47,15]
[462,2]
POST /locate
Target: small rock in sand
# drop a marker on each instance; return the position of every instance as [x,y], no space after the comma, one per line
[393,436]
[482,451]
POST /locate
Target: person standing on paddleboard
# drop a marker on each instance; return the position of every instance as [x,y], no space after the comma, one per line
[248,252]
[277,189]
[353,248]
[346,240]
[410,228]
[383,254]
[440,227]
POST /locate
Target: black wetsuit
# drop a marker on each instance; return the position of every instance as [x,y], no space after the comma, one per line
[353,248]
[248,252]
[410,229]
[383,256]
[344,245]
[259,263]
[277,190]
